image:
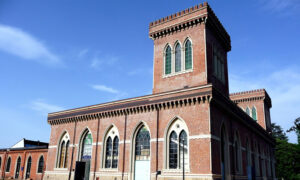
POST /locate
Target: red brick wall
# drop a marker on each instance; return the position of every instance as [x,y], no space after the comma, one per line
[24,154]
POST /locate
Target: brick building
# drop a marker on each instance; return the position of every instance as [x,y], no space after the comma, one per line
[25,160]
[189,126]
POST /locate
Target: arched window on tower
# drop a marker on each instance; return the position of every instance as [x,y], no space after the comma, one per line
[8,164]
[41,165]
[168,60]
[248,111]
[62,157]
[188,55]
[111,148]
[177,154]
[177,58]
[254,114]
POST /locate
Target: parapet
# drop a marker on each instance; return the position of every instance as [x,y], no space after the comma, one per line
[189,17]
[251,95]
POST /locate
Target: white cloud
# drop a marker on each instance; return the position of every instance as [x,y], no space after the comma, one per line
[41,106]
[105,89]
[99,62]
[142,71]
[283,87]
[19,43]
[82,53]
[284,7]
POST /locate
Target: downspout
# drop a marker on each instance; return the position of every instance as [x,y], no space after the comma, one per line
[124,145]
[96,147]
[71,165]
[157,135]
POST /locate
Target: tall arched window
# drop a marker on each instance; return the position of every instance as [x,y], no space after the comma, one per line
[115,152]
[28,168]
[173,151]
[41,165]
[142,144]
[188,55]
[111,147]
[224,154]
[0,161]
[8,164]
[108,154]
[248,158]
[168,60]
[248,111]
[254,115]
[63,154]
[18,166]
[177,58]
[177,145]
[257,169]
[237,153]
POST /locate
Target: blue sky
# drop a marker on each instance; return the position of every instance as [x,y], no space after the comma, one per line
[56,55]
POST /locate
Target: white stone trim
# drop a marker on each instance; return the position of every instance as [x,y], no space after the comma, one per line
[52,147]
[159,140]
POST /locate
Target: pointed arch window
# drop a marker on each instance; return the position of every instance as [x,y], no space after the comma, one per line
[224,154]
[177,58]
[18,166]
[41,165]
[254,114]
[177,154]
[237,154]
[63,152]
[8,164]
[188,55]
[112,148]
[168,60]
[142,144]
[248,111]
[28,168]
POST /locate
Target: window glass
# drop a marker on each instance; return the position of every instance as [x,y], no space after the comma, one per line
[108,154]
[173,150]
[18,168]
[62,154]
[178,58]
[28,168]
[168,61]
[115,152]
[41,164]
[188,55]
[248,111]
[183,149]
[254,116]
[8,165]
[142,144]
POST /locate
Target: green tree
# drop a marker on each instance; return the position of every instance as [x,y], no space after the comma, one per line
[278,132]
[296,128]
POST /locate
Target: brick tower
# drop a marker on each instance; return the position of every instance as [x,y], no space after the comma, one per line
[207,60]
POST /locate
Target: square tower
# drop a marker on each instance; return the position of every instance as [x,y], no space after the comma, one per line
[190,50]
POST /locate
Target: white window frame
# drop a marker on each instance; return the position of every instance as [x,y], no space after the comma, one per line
[112,132]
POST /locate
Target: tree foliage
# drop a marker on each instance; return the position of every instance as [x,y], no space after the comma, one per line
[287,154]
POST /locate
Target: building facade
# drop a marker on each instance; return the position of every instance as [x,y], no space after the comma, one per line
[25,160]
[190,126]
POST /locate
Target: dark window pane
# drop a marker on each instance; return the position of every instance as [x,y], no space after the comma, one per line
[115,152]
[173,150]
[8,165]
[18,168]
[41,165]
[188,55]
[183,149]
[168,61]
[178,58]
[142,144]
[108,154]
[28,168]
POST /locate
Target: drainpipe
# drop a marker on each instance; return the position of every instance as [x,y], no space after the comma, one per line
[71,165]
[96,148]
[124,145]
[157,135]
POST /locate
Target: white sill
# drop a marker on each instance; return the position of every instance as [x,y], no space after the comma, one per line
[109,169]
[61,169]
[175,170]
[177,73]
